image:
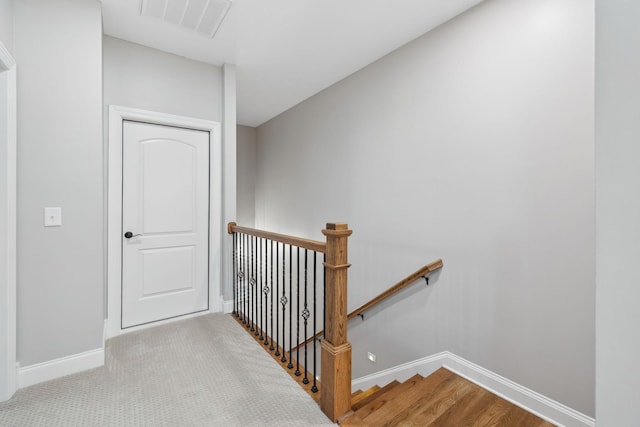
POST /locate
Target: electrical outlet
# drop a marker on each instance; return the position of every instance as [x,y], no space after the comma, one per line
[371,357]
[52,217]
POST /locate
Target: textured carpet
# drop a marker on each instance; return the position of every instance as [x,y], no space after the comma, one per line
[204,371]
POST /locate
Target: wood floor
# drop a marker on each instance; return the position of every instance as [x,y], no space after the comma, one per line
[441,399]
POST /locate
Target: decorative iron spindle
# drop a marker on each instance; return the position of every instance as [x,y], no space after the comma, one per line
[247,280]
[298,311]
[238,239]
[254,324]
[247,276]
[283,301]
[272,293]
[242,277]
[305,316]
[233,273]
[254,284]
[258,286]
[251,284]
[314,388]
[290,365]
[265,290]
[277,353]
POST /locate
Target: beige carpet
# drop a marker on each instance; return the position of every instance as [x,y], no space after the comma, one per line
[204,371]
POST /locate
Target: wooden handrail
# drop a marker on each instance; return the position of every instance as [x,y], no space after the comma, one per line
[312,245]
[427,269]
[422,272]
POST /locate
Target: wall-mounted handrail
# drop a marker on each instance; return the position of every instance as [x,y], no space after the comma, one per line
[312,245]
[422,272]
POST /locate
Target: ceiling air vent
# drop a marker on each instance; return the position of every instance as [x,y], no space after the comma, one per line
[201,16]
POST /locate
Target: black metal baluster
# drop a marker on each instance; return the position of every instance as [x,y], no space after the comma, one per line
[298,311]
[283,301]
[251,284]
[247,276]
[242,278]
[272,294]
[247,315]
[259,289]
[254,284]
[277,353]
[266,291]
[235,278]
[290,365]
[305,316]
[258,284]
[314,388]
[262,290]
[235,274]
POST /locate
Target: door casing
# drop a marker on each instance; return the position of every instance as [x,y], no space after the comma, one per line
[8,302]
[114,209]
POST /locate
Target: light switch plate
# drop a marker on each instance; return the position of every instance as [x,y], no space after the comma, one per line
[52,217]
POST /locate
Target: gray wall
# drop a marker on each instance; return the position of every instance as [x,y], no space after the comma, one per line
[6,24]
[475,144]
[57,45]
[617,212]
[140,77]
[246,173]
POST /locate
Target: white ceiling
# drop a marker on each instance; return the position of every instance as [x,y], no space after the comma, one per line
[287,50]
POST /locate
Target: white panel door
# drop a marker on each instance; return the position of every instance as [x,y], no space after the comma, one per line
[165,216]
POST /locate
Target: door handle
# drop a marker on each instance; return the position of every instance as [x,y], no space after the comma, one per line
[129,235]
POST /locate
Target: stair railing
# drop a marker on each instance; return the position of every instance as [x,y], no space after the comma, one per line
[266,266]
[421,273]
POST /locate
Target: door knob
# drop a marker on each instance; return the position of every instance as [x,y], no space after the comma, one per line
[129,235]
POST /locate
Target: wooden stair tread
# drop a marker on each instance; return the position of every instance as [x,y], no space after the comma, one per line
[439,395]
[396,401]
[443,399]
[362,401]
[358,397]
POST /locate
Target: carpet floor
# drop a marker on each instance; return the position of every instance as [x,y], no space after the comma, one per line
[203,371]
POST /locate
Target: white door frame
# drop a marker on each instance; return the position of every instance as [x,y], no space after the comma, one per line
[8,146]
[114,221]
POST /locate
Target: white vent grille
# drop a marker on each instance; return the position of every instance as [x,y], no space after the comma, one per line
[202,16]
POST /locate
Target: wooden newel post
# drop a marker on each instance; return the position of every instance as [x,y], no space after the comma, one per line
[335,392]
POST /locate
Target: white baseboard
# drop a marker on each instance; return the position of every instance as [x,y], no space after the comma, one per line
[227,307]
[425,366]
[41,372]
[534,402]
